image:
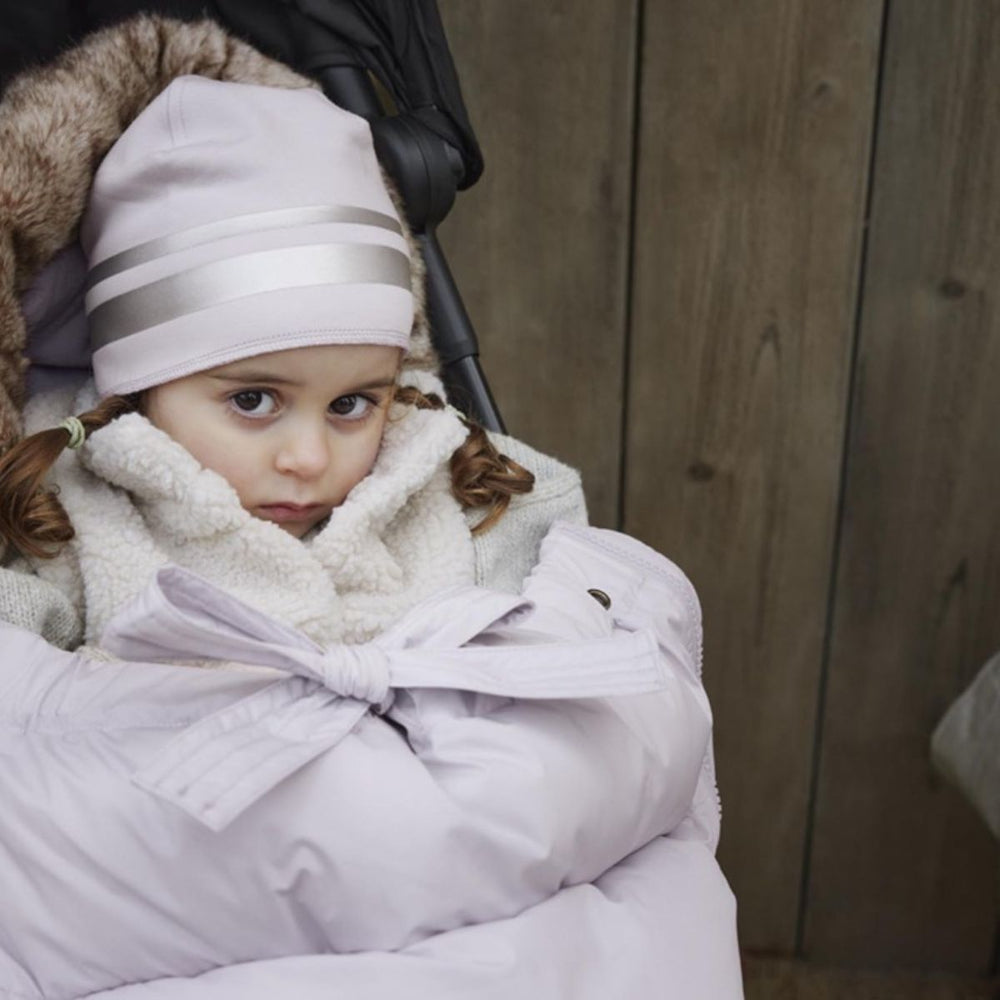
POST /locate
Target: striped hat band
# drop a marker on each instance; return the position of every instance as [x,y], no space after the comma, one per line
[113,316]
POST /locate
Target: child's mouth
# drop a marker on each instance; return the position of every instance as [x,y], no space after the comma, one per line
[281,512]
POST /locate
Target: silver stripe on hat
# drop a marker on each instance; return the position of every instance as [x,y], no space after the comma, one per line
[235,278]
[282,218]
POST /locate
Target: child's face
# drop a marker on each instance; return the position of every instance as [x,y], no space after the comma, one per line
[292,432]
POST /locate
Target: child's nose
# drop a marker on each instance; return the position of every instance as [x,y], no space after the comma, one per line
[304,451]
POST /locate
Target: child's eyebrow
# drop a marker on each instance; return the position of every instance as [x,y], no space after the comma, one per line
[382,383]
[271,379]
[256,376]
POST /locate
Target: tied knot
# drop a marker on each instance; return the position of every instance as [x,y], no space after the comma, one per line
[360,672]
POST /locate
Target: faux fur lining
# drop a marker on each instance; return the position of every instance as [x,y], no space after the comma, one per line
[57,123]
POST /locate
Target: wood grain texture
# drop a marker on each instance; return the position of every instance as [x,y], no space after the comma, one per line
[780,979]
[755,125]
[539,246]
[902,872]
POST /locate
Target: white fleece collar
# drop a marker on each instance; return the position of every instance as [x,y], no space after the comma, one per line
[138,500]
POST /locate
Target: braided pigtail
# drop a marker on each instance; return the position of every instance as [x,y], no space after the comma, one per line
[32,519]
[481,477]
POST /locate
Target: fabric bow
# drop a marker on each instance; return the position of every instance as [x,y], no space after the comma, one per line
[226,761]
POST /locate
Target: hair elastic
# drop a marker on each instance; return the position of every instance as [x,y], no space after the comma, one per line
[77,432]
[455,412]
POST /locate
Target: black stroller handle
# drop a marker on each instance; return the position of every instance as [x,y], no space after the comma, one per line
[426,170]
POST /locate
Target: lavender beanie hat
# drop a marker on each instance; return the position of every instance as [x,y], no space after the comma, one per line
[231,220]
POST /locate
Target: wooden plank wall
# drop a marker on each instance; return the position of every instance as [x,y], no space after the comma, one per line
[917,606]
[668,267]
[740,362]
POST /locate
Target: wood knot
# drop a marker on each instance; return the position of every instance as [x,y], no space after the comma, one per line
[952,288]
[701,472]
[821,90]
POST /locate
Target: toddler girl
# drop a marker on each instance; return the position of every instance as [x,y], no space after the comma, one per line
[250,306]
[452,732]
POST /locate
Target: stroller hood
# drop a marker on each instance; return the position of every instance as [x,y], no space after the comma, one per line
[56,124]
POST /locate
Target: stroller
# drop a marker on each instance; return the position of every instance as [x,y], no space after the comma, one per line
[658,922]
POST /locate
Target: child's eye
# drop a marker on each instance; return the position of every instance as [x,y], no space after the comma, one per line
[352,407]
[254,402]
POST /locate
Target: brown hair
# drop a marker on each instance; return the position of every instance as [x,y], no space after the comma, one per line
[35,523]
[32,519]
[481,477]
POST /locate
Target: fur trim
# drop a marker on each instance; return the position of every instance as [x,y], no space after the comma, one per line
[57,123]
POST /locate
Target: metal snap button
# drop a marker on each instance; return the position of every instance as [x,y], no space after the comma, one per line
[601,598]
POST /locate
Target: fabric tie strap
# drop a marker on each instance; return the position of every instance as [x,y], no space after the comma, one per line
[360,672]
[223,763]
